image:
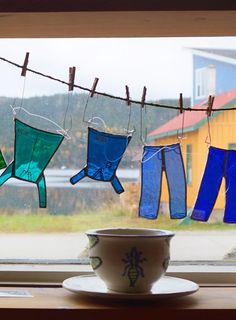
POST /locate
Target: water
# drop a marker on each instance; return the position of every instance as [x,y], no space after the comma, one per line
[60,178]
[62,196]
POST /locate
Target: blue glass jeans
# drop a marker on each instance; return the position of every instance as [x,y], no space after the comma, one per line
[220,163]
[157,159]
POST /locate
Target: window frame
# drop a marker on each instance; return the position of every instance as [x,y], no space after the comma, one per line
[201,83]
[187,23]
[51,275]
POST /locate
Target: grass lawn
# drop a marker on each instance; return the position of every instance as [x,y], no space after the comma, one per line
[22,222]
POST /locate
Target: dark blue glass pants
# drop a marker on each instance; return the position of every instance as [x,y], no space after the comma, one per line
[157,159]
[220,163]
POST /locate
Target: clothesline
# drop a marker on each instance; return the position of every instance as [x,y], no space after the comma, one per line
[151,104]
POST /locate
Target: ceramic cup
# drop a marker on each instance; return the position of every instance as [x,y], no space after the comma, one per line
[129,259]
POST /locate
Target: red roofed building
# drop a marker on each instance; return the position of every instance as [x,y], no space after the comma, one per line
[222,126]
[214,73]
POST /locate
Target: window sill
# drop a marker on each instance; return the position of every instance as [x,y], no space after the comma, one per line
[211,303]
[28,274]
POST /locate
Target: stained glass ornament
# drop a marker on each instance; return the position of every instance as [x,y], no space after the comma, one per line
[156,160]
[104,153]
[33,151]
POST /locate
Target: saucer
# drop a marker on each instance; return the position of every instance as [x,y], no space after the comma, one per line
[166,287]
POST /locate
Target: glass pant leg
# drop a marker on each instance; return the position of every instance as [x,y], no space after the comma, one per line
[80,175]
[210,184]
[176,180]
[117,185]
[42,192]
[230,186]
[7,174]
[151,174]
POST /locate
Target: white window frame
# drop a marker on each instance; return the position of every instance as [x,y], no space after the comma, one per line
[211,79]
[205,82]
[201,83]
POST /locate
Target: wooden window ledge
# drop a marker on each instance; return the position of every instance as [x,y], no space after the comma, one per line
[209,302]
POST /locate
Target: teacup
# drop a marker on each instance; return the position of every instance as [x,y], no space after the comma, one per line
[129,259]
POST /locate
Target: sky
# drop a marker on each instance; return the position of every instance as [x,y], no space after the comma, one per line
[163,65]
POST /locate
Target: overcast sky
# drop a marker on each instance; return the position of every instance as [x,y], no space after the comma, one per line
[163,65]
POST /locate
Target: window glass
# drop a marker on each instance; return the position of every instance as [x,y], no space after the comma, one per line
[166,67]
[232,146]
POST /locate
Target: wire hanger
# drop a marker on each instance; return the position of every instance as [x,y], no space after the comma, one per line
[127,130]
[60,130]
[91,120]
[69,94]
[143,107]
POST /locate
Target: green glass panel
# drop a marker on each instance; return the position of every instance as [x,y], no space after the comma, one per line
[2,161]
[34,149]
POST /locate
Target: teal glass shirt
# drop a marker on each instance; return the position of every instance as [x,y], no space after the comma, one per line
[34,148]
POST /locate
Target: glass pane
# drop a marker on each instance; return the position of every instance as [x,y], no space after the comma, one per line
[167,66]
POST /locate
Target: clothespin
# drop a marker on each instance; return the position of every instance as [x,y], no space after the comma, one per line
[127,95]
[181,105]
[71,78]
[143,97]
[24,67]
[95,82]
[210,105]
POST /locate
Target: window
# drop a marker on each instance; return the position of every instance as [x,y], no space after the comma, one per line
[83,203]
[58,231]
[205,81]
[201,83]
[232,146]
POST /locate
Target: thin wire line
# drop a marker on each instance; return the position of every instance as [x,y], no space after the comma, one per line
[112,96]
[208,138]
[23,94]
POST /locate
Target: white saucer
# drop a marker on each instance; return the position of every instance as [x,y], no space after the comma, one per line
[166,287]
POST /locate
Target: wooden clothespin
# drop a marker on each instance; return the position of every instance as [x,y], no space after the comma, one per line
[24,67]
[210,105]
[71,78]
[95,82]
[143,97]
[181,105]
[127,95]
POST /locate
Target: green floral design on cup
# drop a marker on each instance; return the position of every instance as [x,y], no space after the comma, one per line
[93,240]
[166,263]
[95,262]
